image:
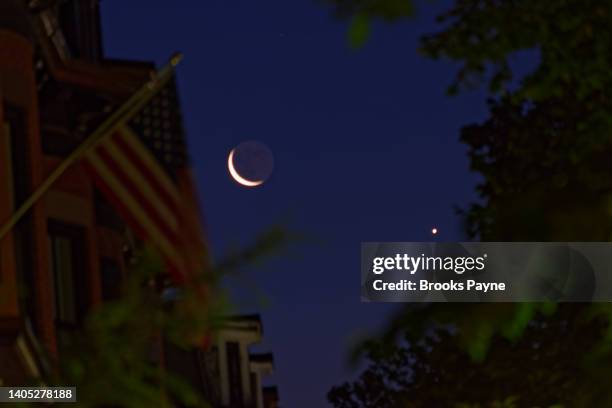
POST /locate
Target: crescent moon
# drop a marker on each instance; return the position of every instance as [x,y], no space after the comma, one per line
[236,176]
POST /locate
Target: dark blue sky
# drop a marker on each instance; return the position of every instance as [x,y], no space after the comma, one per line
[365,143]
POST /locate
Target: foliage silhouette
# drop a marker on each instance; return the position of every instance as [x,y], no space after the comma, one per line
[544,157]
[113,360]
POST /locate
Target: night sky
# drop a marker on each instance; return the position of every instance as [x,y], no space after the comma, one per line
[365,146]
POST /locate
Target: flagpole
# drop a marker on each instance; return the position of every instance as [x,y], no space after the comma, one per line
[127,109]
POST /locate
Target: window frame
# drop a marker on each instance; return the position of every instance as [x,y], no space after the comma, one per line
[76,235]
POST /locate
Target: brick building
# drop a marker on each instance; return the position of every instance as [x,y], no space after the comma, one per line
[68,253]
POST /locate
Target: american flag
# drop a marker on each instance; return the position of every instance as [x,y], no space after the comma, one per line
[139,167]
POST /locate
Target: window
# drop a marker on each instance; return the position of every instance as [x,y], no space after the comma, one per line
[254,388]
[16,170]
[235,374]
[106,216]
[64,273]
[67,262]
[80,24]
[17,138]
[68,21]
[111,279]
[53,31]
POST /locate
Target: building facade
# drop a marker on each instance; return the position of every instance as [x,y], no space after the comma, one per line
[240,372]
[69,252]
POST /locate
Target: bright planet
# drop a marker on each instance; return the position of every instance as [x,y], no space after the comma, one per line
[250,163]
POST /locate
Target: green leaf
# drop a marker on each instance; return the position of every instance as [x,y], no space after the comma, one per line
[359,31]
[479,343]
[515,328]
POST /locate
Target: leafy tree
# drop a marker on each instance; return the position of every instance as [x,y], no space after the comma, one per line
[541,367]
[544,179]
[544,157]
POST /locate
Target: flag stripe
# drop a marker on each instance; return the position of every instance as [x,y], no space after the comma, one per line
[145,202]
[114,199]
[139,155]
[174,270]
[167,211]
[135,212]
